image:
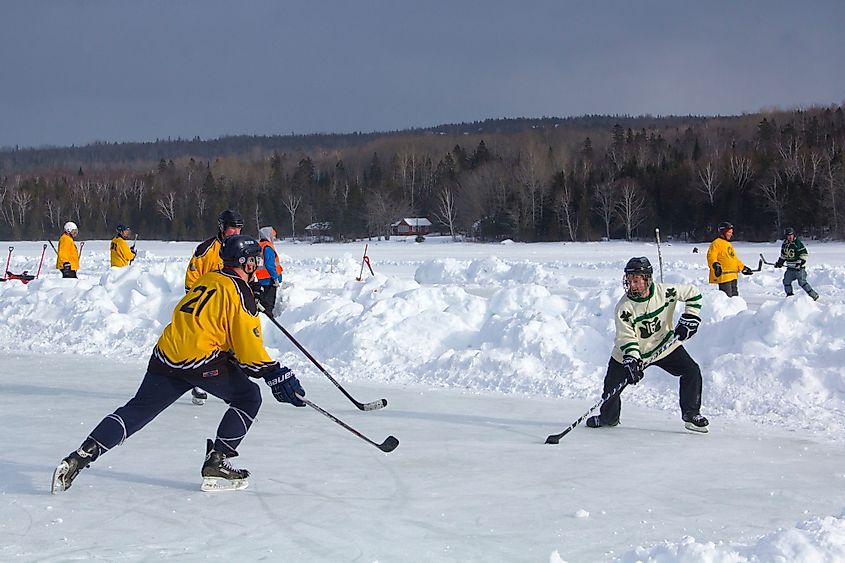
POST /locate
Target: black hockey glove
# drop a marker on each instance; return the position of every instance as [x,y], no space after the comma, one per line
[635,369]
[285,386]
[779,263]
[687,326]
[717,269]
[746,271]
[257,290]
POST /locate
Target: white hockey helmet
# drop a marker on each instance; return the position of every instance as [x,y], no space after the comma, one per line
[70,226]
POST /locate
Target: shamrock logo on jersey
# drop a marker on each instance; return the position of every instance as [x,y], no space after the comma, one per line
[671,293]
[625,316]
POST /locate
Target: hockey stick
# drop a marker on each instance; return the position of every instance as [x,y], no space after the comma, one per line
[8,261]
[759,267]
[763,260]
[390,443]
[53,247]
[555,438]
[40,262]
[659,255]
[375,405]
[363,261]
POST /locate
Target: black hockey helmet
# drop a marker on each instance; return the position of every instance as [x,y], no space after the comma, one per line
[639,265]
[121,227]
[237,248]
[788,231]
[724,226]
[230,218]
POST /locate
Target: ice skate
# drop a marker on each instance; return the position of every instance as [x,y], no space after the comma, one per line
[218,475]
[696,423]
[198,396]
[596,422]
[70,466]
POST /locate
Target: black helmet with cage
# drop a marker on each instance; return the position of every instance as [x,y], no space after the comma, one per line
[637,266]
[788,231]
[237,249]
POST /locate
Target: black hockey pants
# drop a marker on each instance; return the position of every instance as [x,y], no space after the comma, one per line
[159,391]
[678,363]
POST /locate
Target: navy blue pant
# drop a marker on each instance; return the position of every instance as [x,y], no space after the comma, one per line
[158,391]
[678,363]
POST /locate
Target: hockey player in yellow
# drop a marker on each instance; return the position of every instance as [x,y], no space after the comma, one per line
[723,263]
[644,324]
[213,341]
[206,258]
[121,254]
[67,256]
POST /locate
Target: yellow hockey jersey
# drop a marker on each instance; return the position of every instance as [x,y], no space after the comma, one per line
[645,324]
[214,323]
[121,254]
[67,253]
[722,251]
[206,258]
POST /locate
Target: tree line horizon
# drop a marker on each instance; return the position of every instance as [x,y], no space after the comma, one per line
[526,179]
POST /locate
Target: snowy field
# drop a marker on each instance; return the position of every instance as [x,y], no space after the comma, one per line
[481,350]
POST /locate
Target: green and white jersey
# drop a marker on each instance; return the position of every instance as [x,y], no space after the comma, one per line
[792,252]
[645,324]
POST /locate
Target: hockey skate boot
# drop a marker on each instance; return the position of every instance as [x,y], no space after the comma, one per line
[695,423]
[596,422]
[70,466]
[218,475]
[198,396]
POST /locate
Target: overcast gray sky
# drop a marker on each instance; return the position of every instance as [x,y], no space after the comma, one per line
[78,71]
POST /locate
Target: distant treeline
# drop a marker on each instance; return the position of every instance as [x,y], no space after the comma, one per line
[526,179]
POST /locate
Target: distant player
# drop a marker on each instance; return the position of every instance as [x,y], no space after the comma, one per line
[794,255]
[206,258]
[120,253]
[723,262]
[214,342]
[269,276]
[67,256]
[644,317]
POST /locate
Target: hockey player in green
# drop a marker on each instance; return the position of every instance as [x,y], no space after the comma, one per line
[644,317]
[794,254]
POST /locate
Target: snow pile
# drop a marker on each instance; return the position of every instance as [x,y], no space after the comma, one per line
[528,326]
[819,540]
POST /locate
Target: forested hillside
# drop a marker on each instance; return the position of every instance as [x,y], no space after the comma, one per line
[526,179]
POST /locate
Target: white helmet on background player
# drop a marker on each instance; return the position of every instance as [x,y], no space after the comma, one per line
[70,226]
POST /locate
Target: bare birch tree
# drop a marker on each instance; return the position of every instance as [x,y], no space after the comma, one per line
[604,198]
[630,207]
[291,201]
[167,206]
[446,211]
[708,180]
[773,191]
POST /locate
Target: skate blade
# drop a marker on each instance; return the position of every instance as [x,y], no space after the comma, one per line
[693,428]
[198,401]
[58,485]
[215,484]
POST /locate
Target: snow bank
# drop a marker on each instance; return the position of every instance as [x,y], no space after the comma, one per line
[535,325]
